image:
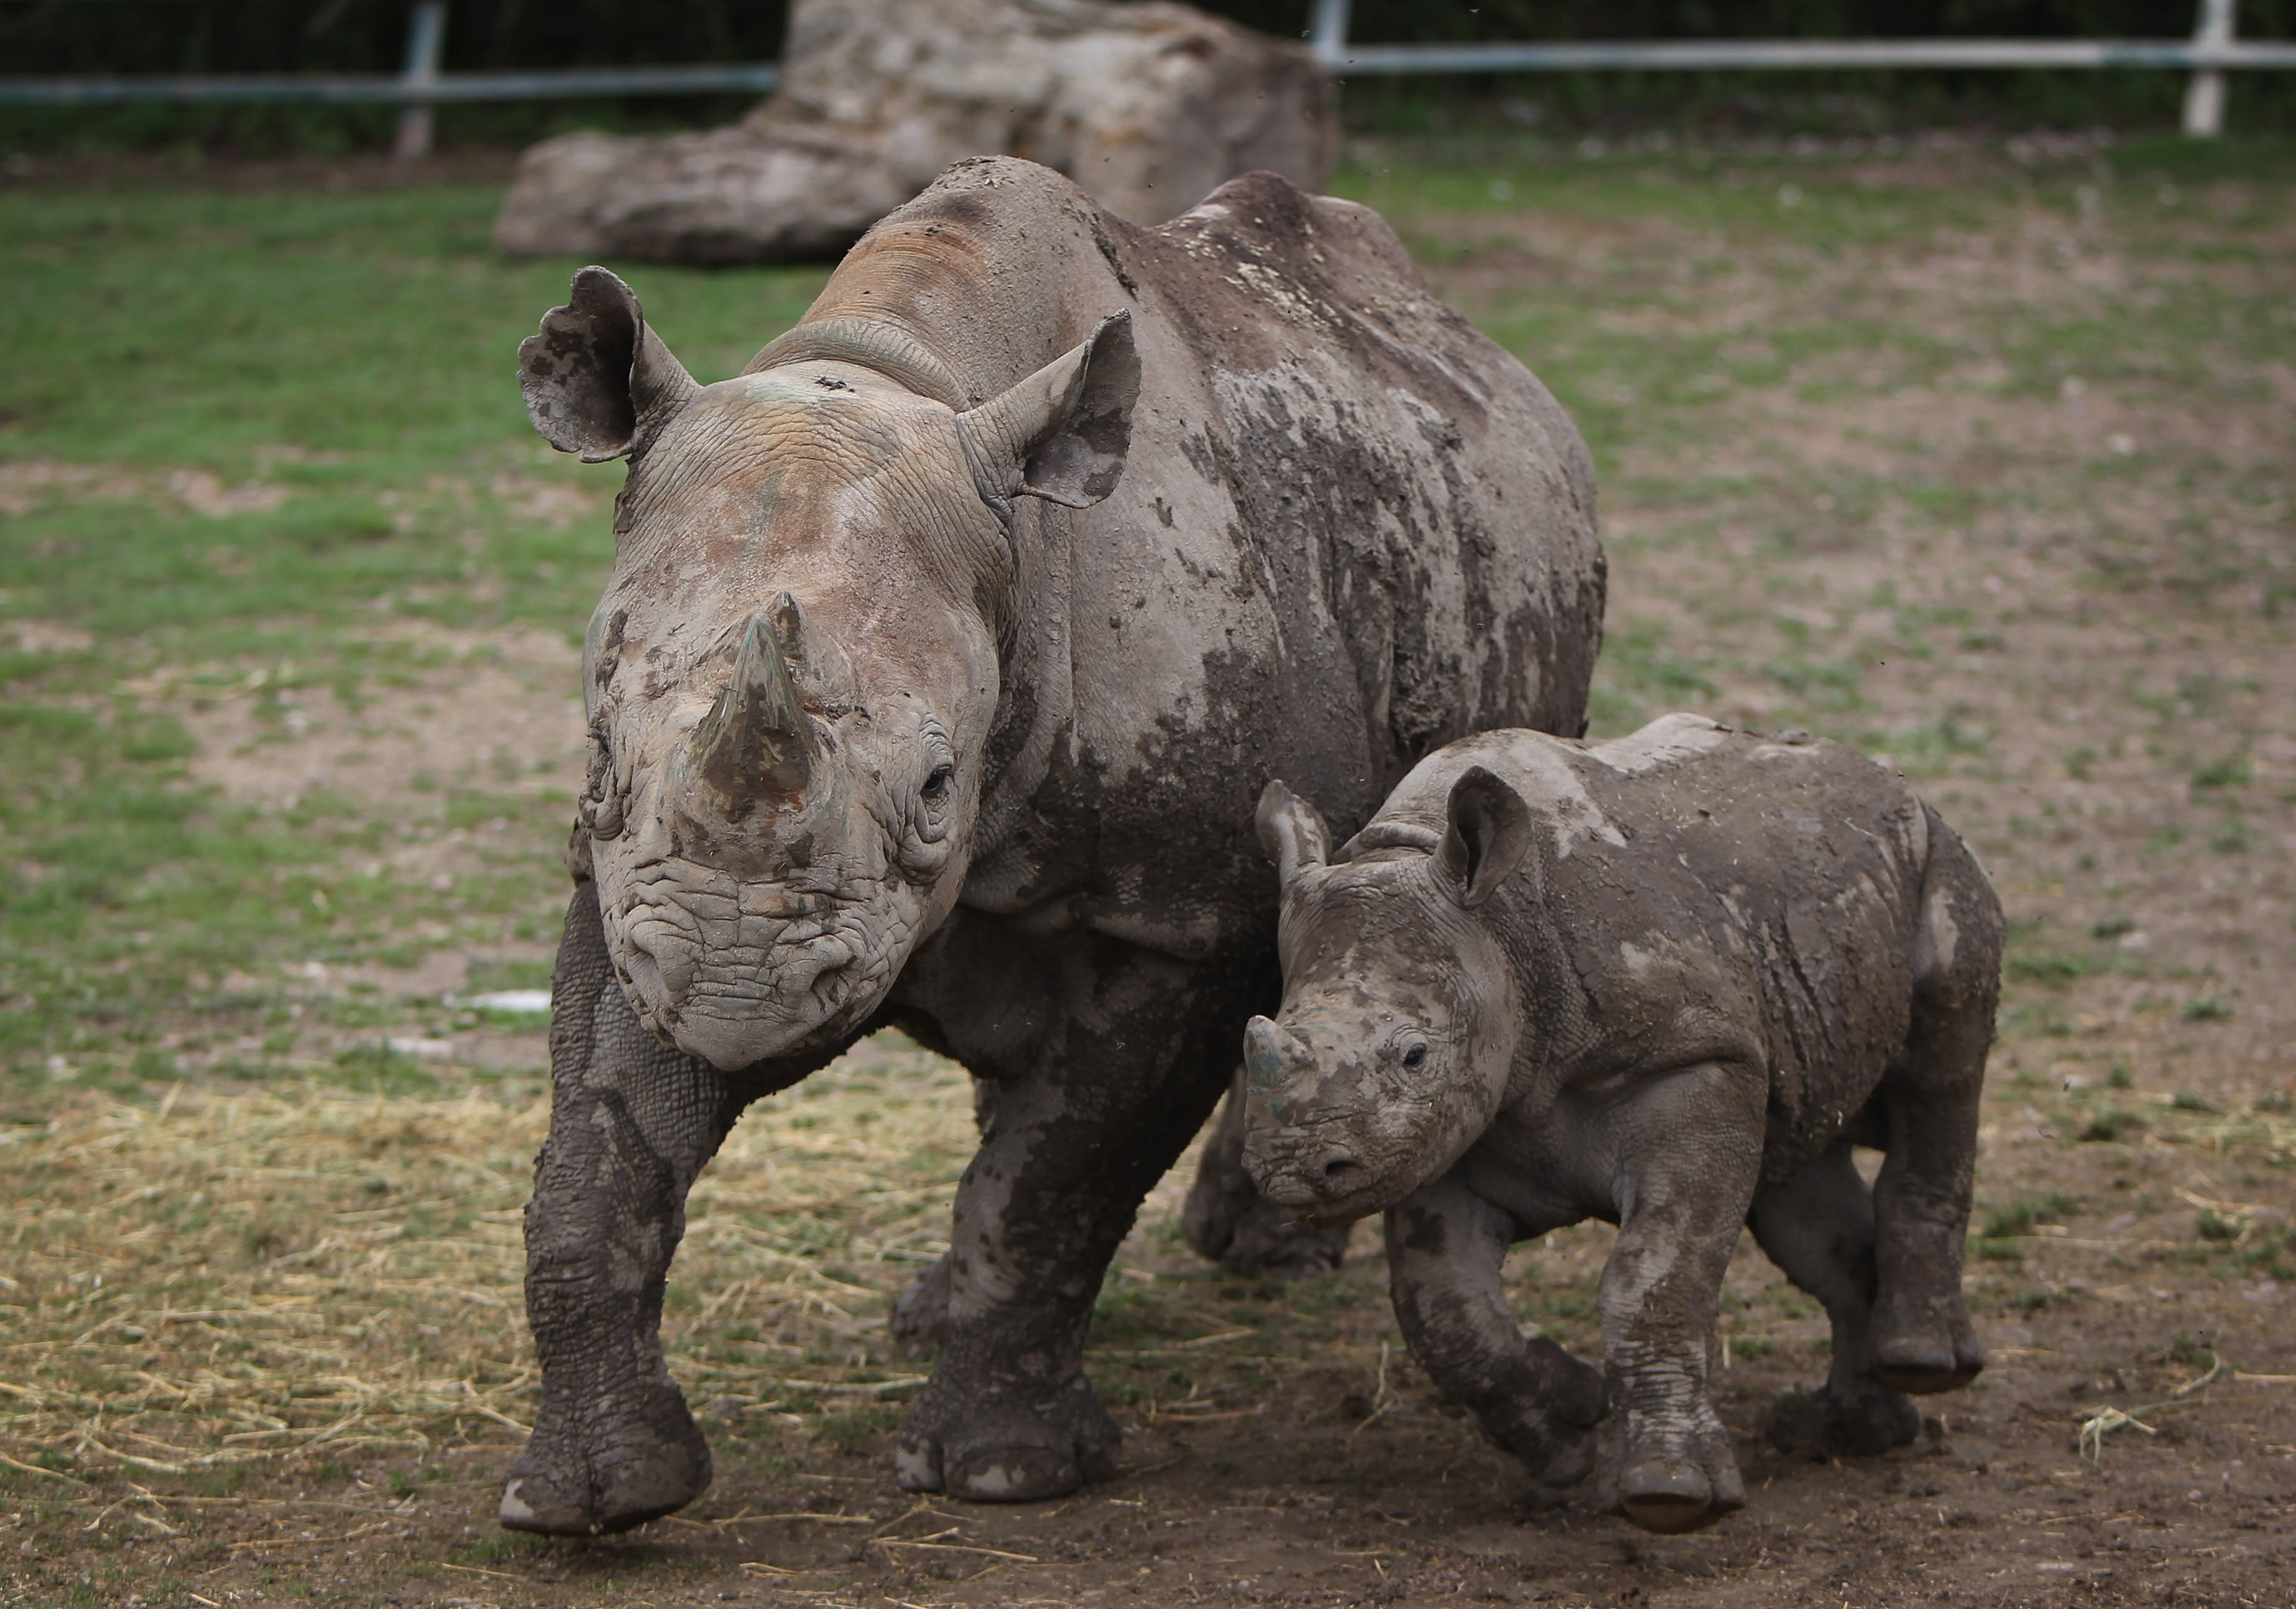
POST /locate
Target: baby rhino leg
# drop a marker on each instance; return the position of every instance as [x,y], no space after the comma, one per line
[1923,1339]
[1818,1229]
[1445,1246]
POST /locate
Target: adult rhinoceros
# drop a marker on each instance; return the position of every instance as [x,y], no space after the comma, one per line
[947,650]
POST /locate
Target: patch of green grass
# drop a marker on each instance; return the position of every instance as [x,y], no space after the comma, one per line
[1644,672]
[2111,1124]
[859,1431]
[2022,1215]
[2208,1226]
[2228,772]
[349,357]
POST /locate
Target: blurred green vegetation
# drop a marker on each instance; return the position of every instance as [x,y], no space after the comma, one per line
[72,37]
[352,355]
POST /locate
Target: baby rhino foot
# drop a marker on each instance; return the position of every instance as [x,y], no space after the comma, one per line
[584,1475]
[1932,1347]
[1671,1483]
[1830,1424]
[998,1449]
[1545,1412]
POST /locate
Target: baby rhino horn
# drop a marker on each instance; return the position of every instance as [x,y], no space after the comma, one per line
[756,747]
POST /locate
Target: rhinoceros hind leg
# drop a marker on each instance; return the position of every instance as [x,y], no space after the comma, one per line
[1818,1229]
[1923,1338]
[1227,1221]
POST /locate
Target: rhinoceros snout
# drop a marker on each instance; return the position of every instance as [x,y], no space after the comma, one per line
[1304,1173]
[1333,1172]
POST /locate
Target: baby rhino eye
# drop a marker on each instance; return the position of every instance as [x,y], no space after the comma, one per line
[1416,1054]
[937,783]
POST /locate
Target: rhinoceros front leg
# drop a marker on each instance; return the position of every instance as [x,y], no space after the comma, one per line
[1689,1149]
[1444,1248]
[631,1123]
[1091,1088]
[1229,1222]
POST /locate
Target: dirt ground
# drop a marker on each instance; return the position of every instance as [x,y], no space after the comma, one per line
[2083,656]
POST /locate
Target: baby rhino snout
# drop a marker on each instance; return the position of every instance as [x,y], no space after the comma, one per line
[1296,1146]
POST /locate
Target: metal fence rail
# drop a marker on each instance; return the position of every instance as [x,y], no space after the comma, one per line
[1691,55]
[2207,55]
[373,88]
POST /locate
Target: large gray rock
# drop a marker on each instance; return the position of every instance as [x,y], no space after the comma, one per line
[1148,106]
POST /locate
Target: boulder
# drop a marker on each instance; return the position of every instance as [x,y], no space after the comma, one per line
[1148,106]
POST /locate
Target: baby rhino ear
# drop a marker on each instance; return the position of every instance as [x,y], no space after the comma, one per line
[1292,831]
[1488,831]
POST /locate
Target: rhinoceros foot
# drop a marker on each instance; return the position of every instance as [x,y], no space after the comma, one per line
[1831,1424]
[1678,1478]
[1667,1496]
[592,1476]
[1003,1446]
[920,1321]
[1930,1347]
[1545,1412]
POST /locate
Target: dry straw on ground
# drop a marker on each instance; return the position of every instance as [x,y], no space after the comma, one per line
[233,1279]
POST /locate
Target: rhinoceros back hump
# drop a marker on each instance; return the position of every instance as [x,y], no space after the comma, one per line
[1350,529]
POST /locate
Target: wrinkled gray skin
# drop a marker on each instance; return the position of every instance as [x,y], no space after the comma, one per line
[1667,982]
[946,652]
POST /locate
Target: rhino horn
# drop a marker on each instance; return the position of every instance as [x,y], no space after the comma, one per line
[756,746]
[1273,1055]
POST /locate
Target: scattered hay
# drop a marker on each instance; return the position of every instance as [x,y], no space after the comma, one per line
[238,1279]
[2102,1422]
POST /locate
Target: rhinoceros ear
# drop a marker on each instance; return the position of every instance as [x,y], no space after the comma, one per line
[1062,433]
[597,381]
[1484,840]
[1292,831]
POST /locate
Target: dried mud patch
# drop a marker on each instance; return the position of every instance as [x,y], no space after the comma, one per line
[497,710]
[28,483]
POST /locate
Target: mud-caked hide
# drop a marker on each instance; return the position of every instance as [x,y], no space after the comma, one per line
[947,650]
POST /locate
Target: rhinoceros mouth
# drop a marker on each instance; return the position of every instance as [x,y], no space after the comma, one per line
[1319,1179]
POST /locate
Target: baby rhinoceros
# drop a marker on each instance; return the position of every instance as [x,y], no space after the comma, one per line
[1670,981]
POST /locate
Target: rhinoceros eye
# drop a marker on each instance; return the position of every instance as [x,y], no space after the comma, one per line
[937,785]
[1417,1055]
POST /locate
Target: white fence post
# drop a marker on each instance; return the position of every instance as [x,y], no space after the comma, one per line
[426,39]
[2204,96]
[1327,34]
